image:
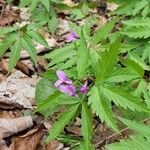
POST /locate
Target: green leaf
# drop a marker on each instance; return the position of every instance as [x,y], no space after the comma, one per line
[86,125]
[138,22]
[71,140]
[46,96]
[103,32]
[135,143]
[106,64]
[6,30]
[5,44]
[84,145]
[83,57]
[46,4]
[50,105]
[29,47]
[68,100]
[134,67]
[101,108]
[137,127]
[137,32]
[124,99]
[33,5]
[138,60]
[24,3]
[15,54]
[63,120]
[53,21]
[38,37]
[139,6]
[121,75]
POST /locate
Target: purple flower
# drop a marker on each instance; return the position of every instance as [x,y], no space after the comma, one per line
[69,89]
[84,88]
[72,36]
[62,78]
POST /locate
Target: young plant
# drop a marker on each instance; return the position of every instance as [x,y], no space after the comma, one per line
[93,79]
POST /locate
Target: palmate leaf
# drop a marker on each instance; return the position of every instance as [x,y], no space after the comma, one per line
[29,46]
[124,99]
[86,126]
[15,54]
[101,108]
[63,120]
[102,33]
[82,56]
[106,64]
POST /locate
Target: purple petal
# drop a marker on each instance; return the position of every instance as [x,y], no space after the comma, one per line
[68,81]
[61,75]
[84,89]
[70,89]
[64,88]
[58,83]
[72,36]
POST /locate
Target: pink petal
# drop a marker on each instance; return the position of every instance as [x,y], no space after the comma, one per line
[68,81]
[61,75]
[58,83]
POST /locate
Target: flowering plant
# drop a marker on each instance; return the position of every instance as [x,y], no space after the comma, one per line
[88,79]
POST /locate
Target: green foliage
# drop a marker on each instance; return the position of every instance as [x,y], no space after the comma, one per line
[25,39]
[83,57]
[101,108]
[136,142]
[59,125]
[106,64]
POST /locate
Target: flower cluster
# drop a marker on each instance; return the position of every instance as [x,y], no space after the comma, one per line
[65,85]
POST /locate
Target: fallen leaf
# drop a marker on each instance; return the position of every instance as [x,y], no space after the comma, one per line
[29,141]
[9,127]
[54,145]
[18,88]
[74,130]
[10,114]
[24,68]
[5,103]
[8,17]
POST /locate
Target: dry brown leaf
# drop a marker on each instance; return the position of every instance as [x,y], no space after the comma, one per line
[7,16]
[9,127]
[54,145]
[74,130]
[5,103]
[10,114]
[29,141]
[18,88]
[24,68]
